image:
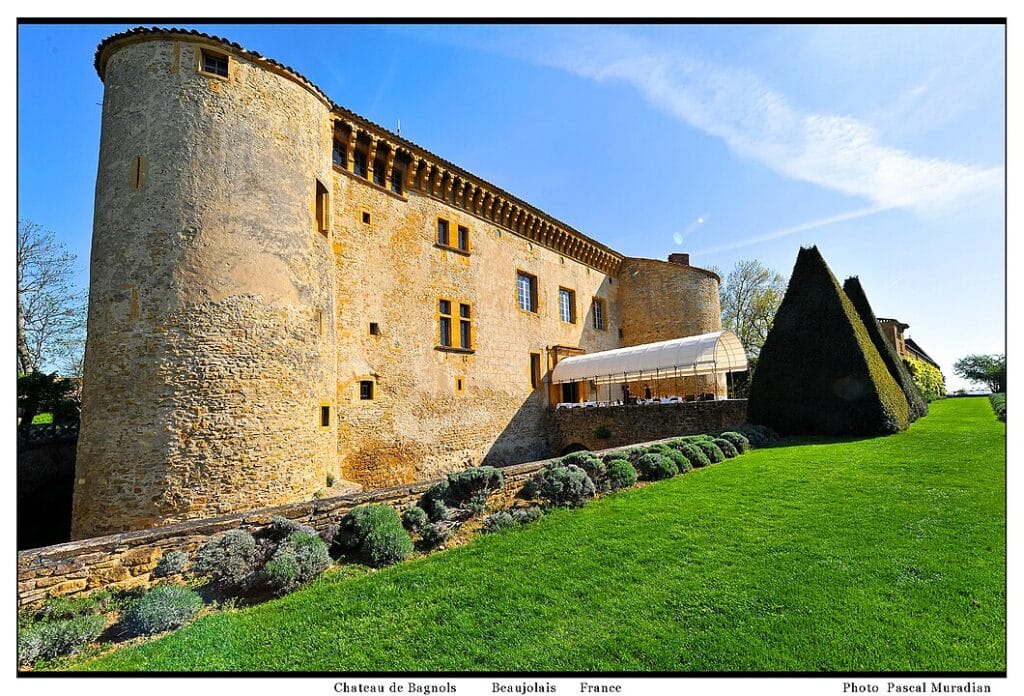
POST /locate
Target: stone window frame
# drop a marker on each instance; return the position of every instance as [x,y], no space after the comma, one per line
[466,324]
[202,52]
[462,238]
[445,241]
[444,313]
[453,321]
[324,414]
[534,292]
[599,313]
[573,314]
[460,384]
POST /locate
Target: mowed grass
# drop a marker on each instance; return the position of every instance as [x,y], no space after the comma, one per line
[876,554]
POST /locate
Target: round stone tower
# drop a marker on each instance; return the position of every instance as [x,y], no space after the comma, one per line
[209,381]
[661,300]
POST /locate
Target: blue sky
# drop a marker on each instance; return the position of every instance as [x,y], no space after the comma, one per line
[883,145]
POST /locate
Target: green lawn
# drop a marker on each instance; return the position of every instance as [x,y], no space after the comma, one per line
[879,554]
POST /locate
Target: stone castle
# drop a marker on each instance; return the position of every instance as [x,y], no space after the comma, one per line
[285,295]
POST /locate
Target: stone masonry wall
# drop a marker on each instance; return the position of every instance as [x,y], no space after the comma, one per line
[627,425]
[204,367]
[391,272]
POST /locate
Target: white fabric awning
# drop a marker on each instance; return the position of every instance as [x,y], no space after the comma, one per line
[706,354]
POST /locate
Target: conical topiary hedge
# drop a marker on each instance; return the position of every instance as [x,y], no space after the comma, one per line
[818,371]
[855,291]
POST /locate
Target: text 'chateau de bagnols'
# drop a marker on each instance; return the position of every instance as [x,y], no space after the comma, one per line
[284,293]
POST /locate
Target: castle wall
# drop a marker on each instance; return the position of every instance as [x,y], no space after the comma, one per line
[391,272]
[661,300]
[204,364]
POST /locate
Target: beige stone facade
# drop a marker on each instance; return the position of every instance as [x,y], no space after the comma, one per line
[269,289]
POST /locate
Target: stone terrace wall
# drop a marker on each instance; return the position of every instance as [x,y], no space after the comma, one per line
[126,560]
[628,425]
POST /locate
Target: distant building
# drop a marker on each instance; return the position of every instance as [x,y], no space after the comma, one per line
[905,346]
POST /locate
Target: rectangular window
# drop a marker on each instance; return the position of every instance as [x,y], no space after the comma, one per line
[339,154]
[359,163]
[366,390]
[322,208]
[567,305]
[535,370]
[465,327]
[379,166]
[526,291]
[463,238]
[444,313]
[597,310]
[366,218]
[397,176]
[442,232]
[460,385]
[325,416]
[215,63]
[374,328]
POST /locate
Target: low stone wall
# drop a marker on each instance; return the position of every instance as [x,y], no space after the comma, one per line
[122,561]
[616,426]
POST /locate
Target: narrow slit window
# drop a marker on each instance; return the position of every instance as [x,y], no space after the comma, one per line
[138,173]
[366,218]
[320,322]
[366,390]
[374,328]
[535,370]
[465,327]
[322,208]
[597,311]
[460,384]
[444,328]
[325,416]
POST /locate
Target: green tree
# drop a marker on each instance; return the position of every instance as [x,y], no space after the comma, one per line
[750,296]
[927,378]
[51,312]
[39,392]
[987,370]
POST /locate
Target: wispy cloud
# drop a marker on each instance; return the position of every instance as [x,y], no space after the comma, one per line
[795,229]
[835,151]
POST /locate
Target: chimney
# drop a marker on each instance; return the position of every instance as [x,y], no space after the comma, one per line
[681,259]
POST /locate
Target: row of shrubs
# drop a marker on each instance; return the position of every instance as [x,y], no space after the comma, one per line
[998,402]
[287,555]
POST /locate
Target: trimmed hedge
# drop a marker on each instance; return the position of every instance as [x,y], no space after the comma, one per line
[414,518]
[592,464]
[711,451]
[297,560]
[376,533]
[818,372]
[620,474]
[916,402]
[228,559]
[654,467]
[728,449]
[757,435]
[695,455]
[562,484]
[998,402]
[741,443]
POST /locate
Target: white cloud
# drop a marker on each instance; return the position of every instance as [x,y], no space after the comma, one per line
[835,151]
[795,229]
